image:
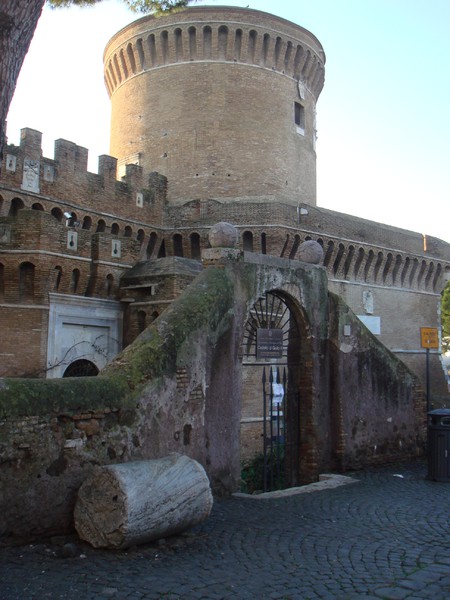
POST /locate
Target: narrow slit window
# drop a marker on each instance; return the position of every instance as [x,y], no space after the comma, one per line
[299,116]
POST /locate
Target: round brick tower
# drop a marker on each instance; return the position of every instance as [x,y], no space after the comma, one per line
[220,100]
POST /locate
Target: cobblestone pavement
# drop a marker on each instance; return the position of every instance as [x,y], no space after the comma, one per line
[386,536]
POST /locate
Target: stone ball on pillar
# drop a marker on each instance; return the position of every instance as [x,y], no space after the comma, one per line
[223,235]
[310,252]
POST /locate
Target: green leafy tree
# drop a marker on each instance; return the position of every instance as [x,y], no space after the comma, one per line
[18,21]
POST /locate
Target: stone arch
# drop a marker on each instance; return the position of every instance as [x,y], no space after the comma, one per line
[295,246]
[141,53]
[397,265]
[247,241]
[423,267]
[405,270]
[192,33]
[429,275]
[237,44]
[412,274]
[195,246]
[368,265]
[26,281]
[87,223]
[57,213]
[378,265]
[263,243]
[207,41]
[151,47]
[178,42]
[222,41]
[437,276]
[338,259]
[131,58]
[16,205]
[140,236]
[279,309]
[328,254]
[348,261]
[101,226]
[81,368]
[74,281]
[37,206]
[387,268]
[358,262]
[151,244]
[177,241]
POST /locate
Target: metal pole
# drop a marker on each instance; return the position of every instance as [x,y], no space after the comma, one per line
[428,381]
[264,431]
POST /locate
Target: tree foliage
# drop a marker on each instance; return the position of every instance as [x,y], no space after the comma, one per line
[18,21]
[141,6]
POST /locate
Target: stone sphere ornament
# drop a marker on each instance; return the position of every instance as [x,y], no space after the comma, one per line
[223,235]
[310,252]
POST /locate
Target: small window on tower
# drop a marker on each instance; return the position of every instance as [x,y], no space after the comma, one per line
[299,115]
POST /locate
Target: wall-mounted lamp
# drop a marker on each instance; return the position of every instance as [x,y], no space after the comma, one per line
[70,219]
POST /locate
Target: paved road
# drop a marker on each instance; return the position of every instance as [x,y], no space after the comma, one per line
[384,537]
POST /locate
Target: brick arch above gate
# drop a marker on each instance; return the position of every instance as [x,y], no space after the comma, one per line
[277,348]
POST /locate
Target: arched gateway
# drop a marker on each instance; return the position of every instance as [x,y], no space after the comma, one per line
[276,391]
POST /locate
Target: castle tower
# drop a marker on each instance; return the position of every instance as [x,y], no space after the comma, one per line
[220,100]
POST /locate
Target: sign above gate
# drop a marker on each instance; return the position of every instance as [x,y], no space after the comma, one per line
[269,343]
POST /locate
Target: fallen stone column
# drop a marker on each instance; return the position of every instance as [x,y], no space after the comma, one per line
[131,503]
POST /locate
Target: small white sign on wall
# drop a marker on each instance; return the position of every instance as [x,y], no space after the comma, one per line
[373,324]
[116,249]
[72,240]
[30,179]
[11,162]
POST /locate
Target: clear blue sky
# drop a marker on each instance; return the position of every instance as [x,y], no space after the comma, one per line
[383,150]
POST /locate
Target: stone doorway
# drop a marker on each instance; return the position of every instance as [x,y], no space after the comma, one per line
[273,361]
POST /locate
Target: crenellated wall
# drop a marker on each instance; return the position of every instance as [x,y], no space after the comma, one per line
[213,120]
[63,184]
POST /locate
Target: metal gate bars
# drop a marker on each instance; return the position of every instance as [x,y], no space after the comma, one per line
[274,428]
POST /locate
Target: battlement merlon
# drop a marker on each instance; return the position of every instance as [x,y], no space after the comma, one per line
[66,177]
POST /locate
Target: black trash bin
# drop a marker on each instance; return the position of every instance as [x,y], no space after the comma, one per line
[439,444]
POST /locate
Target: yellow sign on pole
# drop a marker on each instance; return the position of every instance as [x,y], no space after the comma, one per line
[429,337]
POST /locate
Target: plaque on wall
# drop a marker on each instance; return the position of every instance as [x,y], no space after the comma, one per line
[11,162]
[49,173]
[72,240]
[30,180]
[269,343]
[5,234]
[116,249]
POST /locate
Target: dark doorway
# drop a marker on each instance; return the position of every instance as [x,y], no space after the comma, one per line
[81,368]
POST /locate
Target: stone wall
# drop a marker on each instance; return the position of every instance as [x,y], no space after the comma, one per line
[178,386]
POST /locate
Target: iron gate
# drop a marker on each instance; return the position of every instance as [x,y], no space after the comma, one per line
[272,344]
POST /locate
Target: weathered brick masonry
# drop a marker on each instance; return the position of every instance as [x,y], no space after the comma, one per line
[213,120]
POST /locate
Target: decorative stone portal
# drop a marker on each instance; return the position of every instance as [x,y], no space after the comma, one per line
[273,359]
